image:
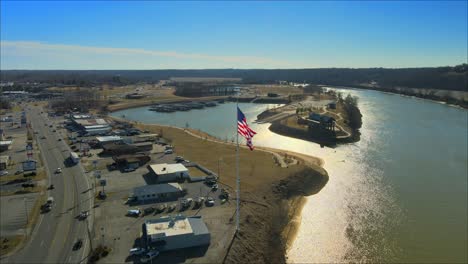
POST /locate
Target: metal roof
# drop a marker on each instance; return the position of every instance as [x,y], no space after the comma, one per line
[164,168]
[176,225]
[108,138]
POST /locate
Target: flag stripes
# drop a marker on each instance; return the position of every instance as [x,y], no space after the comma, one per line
[243,128]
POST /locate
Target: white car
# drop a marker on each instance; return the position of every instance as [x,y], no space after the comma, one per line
[168,151]
[149,256]
[3,173]
[210,201]
[58,170]
[137,251]
[136,212]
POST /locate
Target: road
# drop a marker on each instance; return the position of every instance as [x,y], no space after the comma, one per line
[55,233]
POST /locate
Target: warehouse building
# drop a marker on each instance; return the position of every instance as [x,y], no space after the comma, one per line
[131,160]
[108,139]
[169,172]
[178,232]
[157,192]
[91,126]
[121,149]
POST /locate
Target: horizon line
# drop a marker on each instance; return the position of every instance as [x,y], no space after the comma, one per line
[237,69]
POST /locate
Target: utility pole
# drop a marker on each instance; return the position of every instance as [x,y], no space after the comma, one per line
[27,218]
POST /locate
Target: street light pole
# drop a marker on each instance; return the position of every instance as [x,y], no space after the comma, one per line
[27,218]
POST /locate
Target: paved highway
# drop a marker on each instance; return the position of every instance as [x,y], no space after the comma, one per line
[56,232]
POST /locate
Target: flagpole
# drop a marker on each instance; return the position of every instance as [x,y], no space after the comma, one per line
[237,172]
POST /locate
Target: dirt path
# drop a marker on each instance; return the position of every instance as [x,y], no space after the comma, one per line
[336,124]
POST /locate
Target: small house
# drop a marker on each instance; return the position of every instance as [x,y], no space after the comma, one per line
[169,172]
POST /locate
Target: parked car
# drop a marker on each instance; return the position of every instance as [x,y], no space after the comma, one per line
[199,202]
[19,172]
[137,251]
[210,201]
[102,195]
[28,185]
[186,202]
[148,210]
[171,207]
[214,187]
[58,170]
[168,151]
[149,256]
[134,212]
[3,173]
[179,159]
[129,169]
[131,199]
[78,244]
[83,215]
[224,194]
[161,208]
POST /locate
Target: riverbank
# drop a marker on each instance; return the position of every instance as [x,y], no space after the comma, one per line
[452,98]
[288,121]
[273,186]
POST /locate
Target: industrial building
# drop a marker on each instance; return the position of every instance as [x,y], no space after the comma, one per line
[120,149]
[108,139]
[178,232]
[158,192]
[90,126]
[169,172]
[131,160]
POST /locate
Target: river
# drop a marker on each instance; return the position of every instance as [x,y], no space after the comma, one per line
[397,195]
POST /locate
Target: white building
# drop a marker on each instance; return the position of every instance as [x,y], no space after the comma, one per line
[169,172]
[169,233]
[158,192]
[108,139]
[5,145]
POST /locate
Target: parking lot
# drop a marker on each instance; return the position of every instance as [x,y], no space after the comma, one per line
[115,229]
[17,200]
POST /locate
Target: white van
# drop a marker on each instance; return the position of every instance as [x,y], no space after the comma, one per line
[149,256]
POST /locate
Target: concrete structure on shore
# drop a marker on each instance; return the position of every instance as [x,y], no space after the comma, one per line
[169,233]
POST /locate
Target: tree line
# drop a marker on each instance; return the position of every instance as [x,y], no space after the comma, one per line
[444,78]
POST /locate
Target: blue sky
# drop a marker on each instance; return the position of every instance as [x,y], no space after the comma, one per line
[197,35]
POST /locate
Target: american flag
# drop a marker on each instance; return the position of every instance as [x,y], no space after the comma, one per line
[243,129]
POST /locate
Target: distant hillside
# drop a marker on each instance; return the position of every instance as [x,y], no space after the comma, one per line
[443,78]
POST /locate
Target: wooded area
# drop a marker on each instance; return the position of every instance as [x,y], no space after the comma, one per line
[444,78]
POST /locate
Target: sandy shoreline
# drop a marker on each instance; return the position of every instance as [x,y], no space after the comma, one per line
[269,227]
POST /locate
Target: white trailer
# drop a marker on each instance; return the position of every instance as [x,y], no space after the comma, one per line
[74,157]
